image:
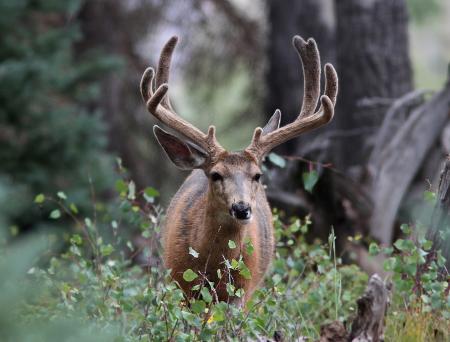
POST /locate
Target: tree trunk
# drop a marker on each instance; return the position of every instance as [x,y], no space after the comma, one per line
[120,100]
[439,231]
[307,18]
[373,62]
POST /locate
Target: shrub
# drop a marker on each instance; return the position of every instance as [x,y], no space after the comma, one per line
[49,138]
[94,291]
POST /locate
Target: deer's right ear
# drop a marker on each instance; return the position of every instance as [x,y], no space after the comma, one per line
[273,124]
[184,156]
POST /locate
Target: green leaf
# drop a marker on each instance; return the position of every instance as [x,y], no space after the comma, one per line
[88,222]
[14,230]
[131,191]
[55,214]
[121,187]
[427,244]
[374,249]
[106,250]
[198,306]
[73,208]
[130,245]
[219,312]
[206,295]
[404,245]
[76,239]
[193,252]
[61,195]
[310,179]
[244,271]
[39,199]
[277,160]
[189,275]
[231,244]
[249,247]
[240,293]
[230,289]
[405,228]
[151,192]
[429,196]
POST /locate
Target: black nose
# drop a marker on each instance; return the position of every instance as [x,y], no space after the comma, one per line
[241,210]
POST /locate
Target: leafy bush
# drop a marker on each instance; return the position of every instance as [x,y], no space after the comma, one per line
[93,291]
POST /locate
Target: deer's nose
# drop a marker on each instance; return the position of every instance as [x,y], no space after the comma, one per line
[241,210]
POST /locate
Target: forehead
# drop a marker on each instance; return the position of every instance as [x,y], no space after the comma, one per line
[236,161]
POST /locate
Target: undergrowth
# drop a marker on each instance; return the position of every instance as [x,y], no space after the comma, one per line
[101,282]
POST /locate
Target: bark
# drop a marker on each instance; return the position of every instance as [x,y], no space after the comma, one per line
[117,29]
[369,323]
[439,231]
[401,160]
[372,62]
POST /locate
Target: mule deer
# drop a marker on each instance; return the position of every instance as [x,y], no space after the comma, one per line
[223,198]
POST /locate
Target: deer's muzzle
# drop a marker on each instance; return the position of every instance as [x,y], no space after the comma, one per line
[241,211]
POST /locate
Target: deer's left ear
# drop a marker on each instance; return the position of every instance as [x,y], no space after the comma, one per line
[184,155]
[273,123]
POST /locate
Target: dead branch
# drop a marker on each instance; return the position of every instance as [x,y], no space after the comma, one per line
[395,116]
[401,158]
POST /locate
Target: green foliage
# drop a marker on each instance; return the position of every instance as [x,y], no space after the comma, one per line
[94,286]
[49,139]
[276,159]
[310,179]
[418,273]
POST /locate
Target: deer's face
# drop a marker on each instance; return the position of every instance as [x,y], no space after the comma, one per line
[234,182]
[234,177]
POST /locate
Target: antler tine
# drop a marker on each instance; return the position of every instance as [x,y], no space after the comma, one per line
[146,84]
[158,103]
[331,84]
[310,59]
[163,71]
[307,120]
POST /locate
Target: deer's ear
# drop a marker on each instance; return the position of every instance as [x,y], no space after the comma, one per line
[184,155]
[273,123]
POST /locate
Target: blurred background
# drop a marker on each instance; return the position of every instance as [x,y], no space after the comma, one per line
[70,103]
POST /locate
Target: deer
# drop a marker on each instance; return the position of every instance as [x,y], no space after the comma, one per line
[223,199]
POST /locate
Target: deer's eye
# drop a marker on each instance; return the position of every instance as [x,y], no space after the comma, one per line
[257,177]
[215,176]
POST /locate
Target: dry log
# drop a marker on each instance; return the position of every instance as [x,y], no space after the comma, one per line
[367,326]
[401,159]
[369,323]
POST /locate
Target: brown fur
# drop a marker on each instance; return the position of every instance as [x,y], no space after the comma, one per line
[197,219]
